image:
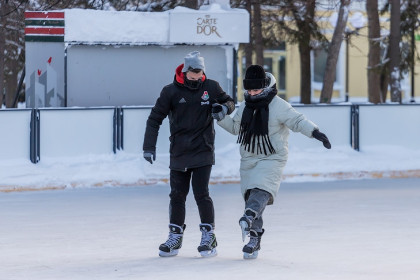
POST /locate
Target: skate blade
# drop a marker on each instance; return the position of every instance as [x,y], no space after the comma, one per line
[248,256]
[173,253]
[209,253]
[244,227]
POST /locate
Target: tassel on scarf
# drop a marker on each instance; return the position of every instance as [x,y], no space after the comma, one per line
[253,132]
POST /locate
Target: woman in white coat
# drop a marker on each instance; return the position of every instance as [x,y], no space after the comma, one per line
[262,123]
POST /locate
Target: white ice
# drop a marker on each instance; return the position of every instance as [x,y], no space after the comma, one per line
[356,229]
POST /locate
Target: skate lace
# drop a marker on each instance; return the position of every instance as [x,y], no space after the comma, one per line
[253,241]
[206,237]
[173,239]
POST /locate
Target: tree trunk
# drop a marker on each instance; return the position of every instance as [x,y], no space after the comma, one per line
[192,4]
[374,34]
[259,45]
[248,47]
[333,52]
[2,48]
[305,28]
[305,72]
[11,83]
[394,51]
[384,79]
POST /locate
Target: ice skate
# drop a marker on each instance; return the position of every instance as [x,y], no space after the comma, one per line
[208,242]
[171,247]
[251,249]
[245,222]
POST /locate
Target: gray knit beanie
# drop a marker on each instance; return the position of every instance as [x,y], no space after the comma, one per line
[193,60]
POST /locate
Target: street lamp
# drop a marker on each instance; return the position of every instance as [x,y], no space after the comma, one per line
[357,21]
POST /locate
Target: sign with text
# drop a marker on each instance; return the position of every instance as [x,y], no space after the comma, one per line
[209,27]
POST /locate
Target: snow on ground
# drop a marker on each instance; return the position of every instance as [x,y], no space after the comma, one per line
[317,164]
[355,229]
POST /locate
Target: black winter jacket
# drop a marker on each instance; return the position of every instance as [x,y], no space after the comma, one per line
[191,123]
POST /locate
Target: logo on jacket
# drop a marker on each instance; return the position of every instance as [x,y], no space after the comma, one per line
[205,96]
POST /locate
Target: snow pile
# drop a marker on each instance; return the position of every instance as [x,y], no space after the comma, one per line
[93,26]
[126,169]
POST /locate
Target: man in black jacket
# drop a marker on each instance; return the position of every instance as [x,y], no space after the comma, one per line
[191,102]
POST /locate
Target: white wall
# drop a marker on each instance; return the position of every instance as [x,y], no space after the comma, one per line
[389,125]
[83,131]
[100,75]
[334,121]
[135,125]
[74,132]
[15,134]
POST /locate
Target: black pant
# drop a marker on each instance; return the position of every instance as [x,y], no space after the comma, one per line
[180,186]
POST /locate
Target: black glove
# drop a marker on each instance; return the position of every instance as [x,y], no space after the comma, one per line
[149,155]
[218,111]
[321,137]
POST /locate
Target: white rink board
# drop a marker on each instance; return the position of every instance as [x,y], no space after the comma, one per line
[83,131]
[134,126]
[76,132]
[15,134]
[387,125]
[334,121]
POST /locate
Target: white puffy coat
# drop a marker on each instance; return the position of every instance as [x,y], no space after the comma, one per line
[265,171]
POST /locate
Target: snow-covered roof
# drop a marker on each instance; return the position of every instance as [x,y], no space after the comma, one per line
[212,24]
[95,26]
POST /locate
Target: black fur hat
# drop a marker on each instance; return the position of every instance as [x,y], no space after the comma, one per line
[255,78]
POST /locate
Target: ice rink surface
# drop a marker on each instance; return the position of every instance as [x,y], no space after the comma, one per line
[356,229]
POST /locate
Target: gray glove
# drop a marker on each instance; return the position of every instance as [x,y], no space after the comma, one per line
[150,156]
[218,111]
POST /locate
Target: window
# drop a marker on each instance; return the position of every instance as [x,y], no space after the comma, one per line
[281,81]
[268,64]
[320,63]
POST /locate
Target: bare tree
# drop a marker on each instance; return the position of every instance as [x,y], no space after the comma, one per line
[257,33]
[333,52]
[383,69]
[374,37]
[3,12]
[192,4]
[11,48]
[153,5]
[295,22]
[256,37]
[248,47]
[410,22]
[394,51]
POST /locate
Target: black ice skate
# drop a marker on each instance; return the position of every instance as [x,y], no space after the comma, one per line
[208,242]
[245,222]
[251,249]
[173,244]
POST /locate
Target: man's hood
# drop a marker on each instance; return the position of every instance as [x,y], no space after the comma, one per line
[180,77]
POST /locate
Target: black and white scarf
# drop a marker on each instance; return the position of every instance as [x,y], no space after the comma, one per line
[253,133]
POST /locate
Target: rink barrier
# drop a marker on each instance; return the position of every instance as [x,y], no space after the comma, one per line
[67,132]
[333,120]
[117,130]
[34,136]
[15,133]
[51,132]
[389,124]
[354,140]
